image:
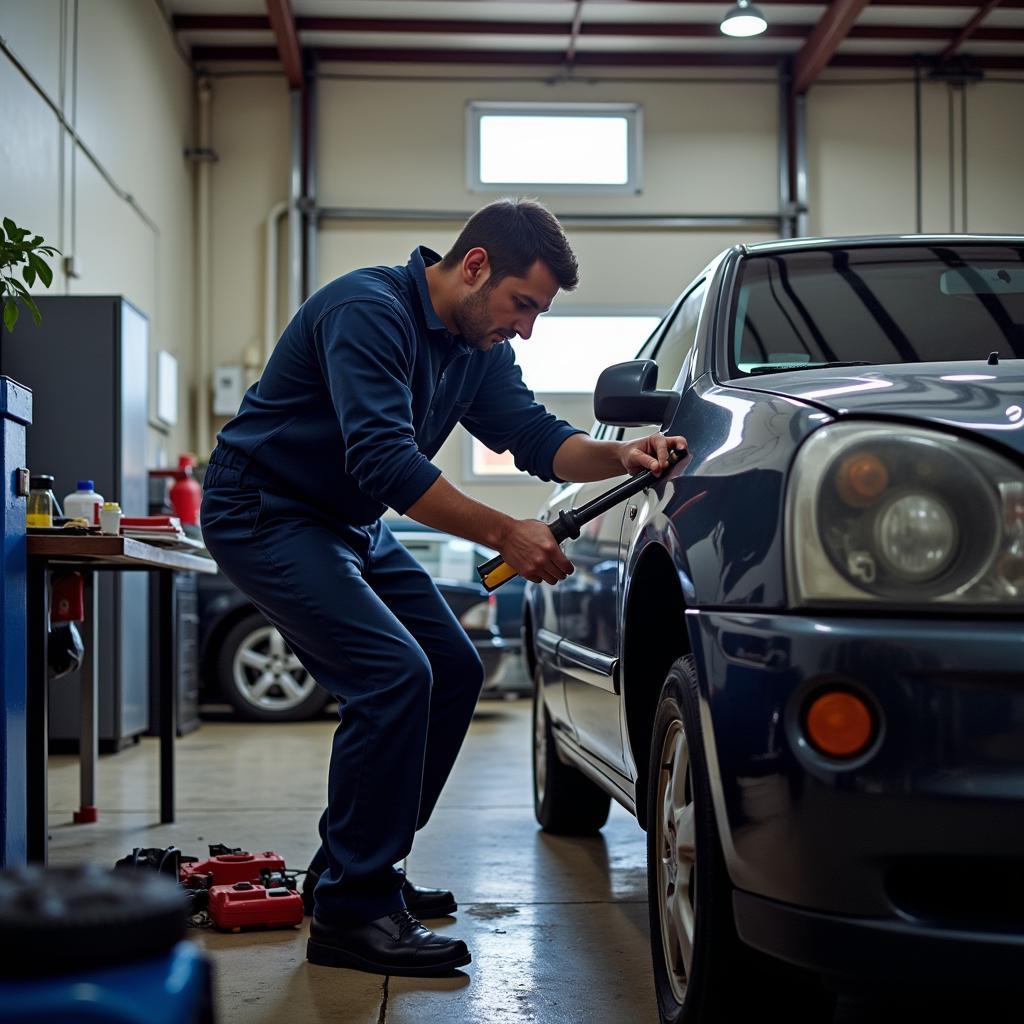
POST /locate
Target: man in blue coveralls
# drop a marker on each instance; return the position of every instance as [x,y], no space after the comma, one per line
[365,384]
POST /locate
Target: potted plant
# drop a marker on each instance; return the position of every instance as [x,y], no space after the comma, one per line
[17,250]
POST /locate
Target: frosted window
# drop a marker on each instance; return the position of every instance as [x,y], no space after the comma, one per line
[579,147]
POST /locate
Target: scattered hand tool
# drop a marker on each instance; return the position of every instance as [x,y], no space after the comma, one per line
[497,571]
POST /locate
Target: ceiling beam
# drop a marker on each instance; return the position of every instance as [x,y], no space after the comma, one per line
[676,30]
[283,24]
[971,28]
[824,40]
[554,58]
[257,23]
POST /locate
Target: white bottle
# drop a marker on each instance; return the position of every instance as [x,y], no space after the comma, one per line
[84,503]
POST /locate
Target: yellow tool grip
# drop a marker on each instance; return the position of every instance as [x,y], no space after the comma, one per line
[497,576]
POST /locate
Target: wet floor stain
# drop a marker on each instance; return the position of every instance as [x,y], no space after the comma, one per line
[490,911]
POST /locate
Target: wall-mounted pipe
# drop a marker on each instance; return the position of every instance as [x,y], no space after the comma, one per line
[605,221]
[277,211]
[203,268]
[295,208]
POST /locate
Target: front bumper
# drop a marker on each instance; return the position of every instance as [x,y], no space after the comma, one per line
[927,831]
[882,950]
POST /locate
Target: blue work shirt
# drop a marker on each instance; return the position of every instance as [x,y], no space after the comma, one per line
[363,388]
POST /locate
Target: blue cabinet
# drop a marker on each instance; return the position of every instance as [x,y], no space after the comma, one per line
[15,416]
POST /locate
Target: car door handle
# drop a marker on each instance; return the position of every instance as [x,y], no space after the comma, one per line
[632,511]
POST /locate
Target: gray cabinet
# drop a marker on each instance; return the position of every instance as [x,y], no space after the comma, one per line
[87,366]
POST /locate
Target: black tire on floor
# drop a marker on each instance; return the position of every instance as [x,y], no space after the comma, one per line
[252,633]
[565,801]
[724,979]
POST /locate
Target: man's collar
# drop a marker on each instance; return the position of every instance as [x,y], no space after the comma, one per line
[421,258]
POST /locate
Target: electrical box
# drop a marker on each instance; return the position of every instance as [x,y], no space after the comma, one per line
[228,388]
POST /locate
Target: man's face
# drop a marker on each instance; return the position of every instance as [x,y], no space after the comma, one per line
[489,315]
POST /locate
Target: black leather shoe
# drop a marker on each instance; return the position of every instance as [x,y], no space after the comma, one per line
[395,944]
[428,903]
[421,903]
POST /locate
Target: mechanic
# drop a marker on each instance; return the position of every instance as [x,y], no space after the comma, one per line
[365,384]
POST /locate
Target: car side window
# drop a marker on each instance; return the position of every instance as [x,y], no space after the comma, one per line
[680,336]
[675,345]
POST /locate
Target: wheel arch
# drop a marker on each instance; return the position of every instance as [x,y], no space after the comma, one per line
[655,634]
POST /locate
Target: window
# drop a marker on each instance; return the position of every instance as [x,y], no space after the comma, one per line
[679,338]
[566,354]
[571,147]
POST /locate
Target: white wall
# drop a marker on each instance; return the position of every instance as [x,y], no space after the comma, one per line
[861,164]
[130,100]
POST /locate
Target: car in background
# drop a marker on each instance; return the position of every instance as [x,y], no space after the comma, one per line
[796,658]
[247,663]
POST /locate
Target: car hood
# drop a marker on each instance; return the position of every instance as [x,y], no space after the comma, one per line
[969,396]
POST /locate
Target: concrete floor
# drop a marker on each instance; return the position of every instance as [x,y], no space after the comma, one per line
[557,927]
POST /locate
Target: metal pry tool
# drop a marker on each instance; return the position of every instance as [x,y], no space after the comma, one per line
[497,571]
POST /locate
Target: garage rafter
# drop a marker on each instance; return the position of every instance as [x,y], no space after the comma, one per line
[593,33]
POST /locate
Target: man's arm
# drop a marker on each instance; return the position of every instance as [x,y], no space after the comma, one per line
[525,544]
[581,458]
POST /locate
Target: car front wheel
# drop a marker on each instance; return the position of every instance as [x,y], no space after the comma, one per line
[703,973]
[565,801]
[261,678]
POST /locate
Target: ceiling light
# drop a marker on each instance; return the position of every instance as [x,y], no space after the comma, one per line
[745,19]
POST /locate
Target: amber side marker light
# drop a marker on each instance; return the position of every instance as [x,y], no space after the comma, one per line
[862,479]
[839,724]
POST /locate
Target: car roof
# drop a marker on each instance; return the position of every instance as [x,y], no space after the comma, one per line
[865,241]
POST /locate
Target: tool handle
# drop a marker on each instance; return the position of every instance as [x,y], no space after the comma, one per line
[496,570]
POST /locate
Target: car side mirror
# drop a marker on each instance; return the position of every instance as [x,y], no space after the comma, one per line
[627,396]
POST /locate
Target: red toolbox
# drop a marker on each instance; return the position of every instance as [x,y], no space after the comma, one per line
[228,868]
[247,905]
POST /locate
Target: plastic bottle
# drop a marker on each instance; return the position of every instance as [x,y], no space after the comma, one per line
[42,505]
[84,503]
[110,518]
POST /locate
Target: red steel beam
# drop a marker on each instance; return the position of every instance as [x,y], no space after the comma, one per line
[554,58]
[971,28]
[283,24]
[824,40]
[689,30]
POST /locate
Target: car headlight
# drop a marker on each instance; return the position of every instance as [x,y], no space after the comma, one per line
[903,514]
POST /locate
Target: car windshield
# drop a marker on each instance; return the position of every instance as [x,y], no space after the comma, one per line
[886,304]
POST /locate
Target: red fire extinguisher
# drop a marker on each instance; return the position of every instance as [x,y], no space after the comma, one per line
[186,495]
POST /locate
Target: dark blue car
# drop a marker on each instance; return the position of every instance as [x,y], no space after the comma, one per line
[799,658]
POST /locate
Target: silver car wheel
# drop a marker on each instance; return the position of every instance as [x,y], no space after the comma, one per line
[677,910]
[267,674]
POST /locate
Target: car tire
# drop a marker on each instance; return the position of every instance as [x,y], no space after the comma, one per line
[565,801]
[260,677]
[703,973]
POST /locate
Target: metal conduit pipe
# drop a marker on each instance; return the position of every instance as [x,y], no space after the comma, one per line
[203,285]
[295,208]
[609,221]
[277,211]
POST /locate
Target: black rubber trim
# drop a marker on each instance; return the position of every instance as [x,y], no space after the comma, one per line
[877,948]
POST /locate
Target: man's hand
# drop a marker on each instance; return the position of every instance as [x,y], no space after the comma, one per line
[531,549]
[649,452]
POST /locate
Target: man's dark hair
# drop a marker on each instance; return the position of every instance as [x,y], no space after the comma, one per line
[516,233]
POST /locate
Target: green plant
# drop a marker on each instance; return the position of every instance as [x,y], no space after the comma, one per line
[16,248]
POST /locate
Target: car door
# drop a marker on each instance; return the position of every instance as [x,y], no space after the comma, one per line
[586,610]
[588,601]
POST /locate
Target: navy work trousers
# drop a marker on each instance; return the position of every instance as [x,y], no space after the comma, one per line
[370,626]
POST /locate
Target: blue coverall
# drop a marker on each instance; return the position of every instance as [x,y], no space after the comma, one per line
[362,389]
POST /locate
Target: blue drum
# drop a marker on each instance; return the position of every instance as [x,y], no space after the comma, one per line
[84,944]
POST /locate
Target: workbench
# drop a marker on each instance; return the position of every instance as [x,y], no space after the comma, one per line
[89,554]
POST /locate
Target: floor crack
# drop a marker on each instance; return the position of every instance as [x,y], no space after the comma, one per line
[382,1017]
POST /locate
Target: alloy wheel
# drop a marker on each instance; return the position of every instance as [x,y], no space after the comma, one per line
[676,839]
[267,674]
